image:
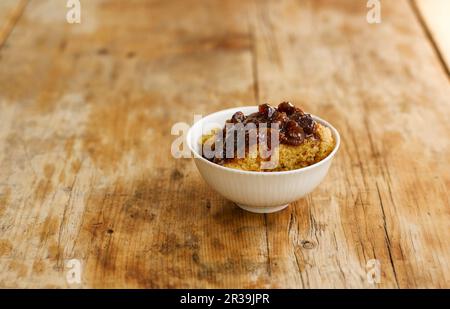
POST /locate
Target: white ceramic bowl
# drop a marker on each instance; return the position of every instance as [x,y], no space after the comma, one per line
[260,192]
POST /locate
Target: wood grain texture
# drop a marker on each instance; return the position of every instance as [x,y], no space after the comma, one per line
[86,170]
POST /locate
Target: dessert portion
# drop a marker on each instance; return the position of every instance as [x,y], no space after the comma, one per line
[284,136]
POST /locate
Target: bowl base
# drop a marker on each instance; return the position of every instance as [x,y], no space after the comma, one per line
[262,210]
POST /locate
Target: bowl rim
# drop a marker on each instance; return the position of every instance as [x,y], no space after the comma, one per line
[266,174]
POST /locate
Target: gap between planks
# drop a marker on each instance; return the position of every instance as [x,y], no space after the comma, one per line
[430,37]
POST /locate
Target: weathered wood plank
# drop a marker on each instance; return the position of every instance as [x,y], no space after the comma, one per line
[85,165]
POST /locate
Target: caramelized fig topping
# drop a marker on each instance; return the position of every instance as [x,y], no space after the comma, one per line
[293,127]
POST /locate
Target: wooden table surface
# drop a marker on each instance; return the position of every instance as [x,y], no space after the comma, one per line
[86,172]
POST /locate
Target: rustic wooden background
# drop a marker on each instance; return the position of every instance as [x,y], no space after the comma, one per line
[85,165]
